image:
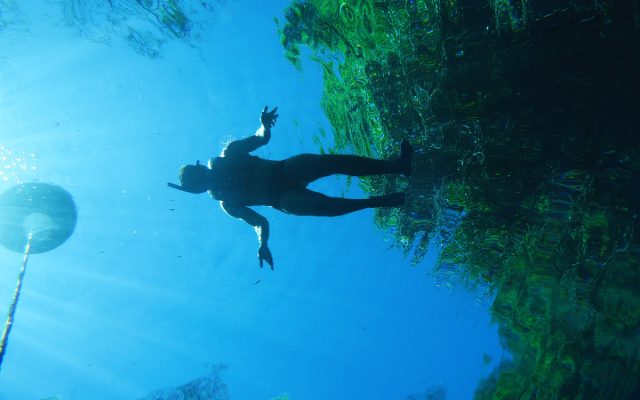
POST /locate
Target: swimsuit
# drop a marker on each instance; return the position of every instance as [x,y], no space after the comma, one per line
[279,183]
[237,182]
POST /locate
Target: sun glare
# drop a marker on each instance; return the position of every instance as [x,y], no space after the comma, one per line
[16,166]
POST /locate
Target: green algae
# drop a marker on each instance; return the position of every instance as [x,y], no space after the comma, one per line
[208,387]
[146,25]
[527,171]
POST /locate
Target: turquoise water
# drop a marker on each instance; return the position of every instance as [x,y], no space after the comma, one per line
[157,287]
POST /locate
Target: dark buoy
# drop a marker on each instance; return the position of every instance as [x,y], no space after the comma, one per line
[43,210]
[34,218]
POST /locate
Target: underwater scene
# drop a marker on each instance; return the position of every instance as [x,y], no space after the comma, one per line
[407,199]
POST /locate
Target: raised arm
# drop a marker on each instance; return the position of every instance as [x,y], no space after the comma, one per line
[260,224]
[262,136]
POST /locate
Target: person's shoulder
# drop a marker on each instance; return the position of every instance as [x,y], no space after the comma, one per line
[213,161]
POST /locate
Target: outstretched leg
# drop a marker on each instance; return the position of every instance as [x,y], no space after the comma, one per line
[307,168]
[307,202]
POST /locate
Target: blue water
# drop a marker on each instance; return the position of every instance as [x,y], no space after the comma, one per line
[157,286]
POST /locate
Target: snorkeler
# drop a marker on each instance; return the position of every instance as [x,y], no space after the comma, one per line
[239,180]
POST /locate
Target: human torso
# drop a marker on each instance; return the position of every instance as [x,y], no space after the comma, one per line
[244,179]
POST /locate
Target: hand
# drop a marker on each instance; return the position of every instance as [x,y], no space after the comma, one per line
[264,254]
[268,118]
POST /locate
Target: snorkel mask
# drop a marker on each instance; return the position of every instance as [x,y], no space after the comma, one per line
[193,179]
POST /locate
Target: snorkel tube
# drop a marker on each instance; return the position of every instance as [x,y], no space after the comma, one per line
[182,188]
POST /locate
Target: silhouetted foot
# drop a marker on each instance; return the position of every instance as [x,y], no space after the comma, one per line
[406,157]
[390,200]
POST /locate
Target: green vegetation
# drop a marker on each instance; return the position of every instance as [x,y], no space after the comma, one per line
[524,118]
[208,387]
[145,24]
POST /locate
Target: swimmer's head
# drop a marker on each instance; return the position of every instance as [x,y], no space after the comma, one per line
[193,179]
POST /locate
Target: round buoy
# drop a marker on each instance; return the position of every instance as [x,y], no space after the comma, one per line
[44,211]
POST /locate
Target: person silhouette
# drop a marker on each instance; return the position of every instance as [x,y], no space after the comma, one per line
[240,180]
